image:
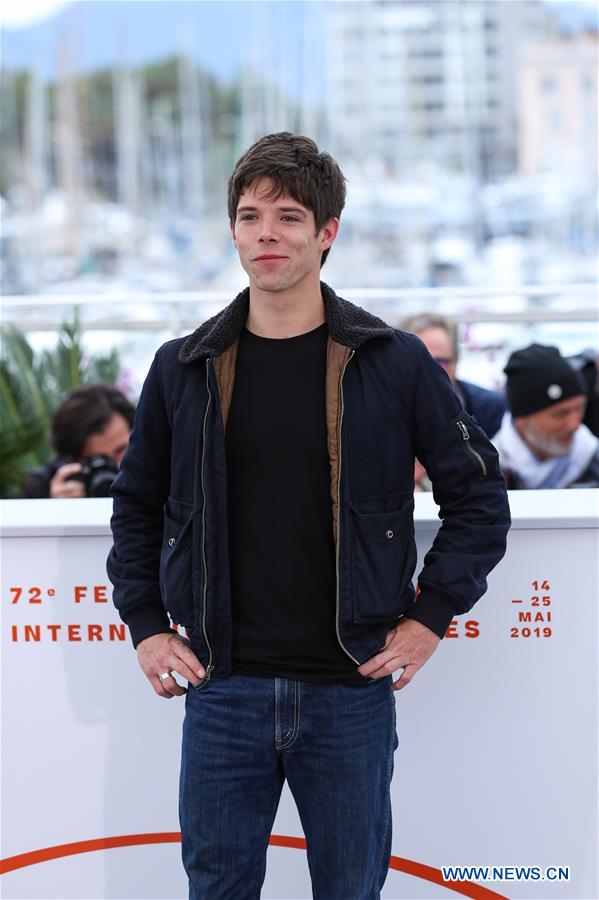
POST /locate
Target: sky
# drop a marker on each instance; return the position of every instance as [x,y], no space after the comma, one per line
[27,12]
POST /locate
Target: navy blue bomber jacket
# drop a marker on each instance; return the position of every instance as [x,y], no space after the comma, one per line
[387,401]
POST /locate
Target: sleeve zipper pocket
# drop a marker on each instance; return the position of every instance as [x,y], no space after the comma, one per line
[466,437]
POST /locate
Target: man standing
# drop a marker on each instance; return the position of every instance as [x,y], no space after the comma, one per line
[542,442]
[265,503]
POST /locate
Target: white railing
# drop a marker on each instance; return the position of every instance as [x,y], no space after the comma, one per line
[177,311]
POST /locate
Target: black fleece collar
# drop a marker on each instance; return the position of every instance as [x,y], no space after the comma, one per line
[348,325]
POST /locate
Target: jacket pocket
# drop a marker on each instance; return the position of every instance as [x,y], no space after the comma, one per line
[176,562]
[474,444]
[383,561]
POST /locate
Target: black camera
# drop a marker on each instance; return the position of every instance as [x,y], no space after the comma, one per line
[97,474]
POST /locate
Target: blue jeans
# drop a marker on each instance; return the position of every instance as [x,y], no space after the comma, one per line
[242,737]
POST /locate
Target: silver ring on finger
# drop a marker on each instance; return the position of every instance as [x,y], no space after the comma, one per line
[165,675]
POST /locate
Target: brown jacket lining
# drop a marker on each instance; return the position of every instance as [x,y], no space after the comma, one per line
[224,367]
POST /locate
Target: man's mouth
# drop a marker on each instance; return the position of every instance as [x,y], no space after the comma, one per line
[268,257]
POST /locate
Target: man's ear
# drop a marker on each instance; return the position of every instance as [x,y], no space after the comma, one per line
[232,227]
[328,233]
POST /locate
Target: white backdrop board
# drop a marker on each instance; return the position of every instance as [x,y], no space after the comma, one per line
[497,763]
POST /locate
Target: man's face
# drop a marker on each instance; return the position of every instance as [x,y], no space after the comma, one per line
[277,241]
[110,442]
[551,431]
[439,345]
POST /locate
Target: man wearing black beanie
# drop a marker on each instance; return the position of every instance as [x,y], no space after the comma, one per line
[542,442]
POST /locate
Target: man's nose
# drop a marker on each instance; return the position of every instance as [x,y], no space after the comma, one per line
[268,231]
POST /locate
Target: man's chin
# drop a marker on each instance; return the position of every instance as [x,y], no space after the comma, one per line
[266,282]
[546,447]
[560,448]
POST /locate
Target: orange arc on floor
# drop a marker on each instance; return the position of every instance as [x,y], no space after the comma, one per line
[408,866]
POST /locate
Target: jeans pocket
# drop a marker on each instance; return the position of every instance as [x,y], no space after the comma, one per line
[201,685]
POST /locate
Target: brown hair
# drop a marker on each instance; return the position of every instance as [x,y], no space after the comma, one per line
[86,410]
[295,167]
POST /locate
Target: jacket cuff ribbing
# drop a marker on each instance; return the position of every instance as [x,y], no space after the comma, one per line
[145,621]
[434,609]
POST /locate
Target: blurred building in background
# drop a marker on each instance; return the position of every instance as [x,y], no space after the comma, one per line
[468,131]
[557,95]
[415,80]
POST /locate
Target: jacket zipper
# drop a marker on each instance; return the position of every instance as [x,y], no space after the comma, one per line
[209,667]
[340,422]
[466,437]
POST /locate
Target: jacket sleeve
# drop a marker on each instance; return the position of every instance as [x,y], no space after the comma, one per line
[470,490]
[139,492]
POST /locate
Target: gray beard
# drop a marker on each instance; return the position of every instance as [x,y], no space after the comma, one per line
[546,446]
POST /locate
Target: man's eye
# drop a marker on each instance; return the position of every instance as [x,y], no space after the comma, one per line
[290,218]
[246,217]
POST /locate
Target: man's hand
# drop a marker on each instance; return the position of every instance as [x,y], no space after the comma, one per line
[408,645]
[60,487]
[166,652]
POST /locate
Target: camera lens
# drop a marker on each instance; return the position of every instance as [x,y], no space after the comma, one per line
[99,484]
[98,472]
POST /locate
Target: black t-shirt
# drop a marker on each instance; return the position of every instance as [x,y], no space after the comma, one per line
[282,550]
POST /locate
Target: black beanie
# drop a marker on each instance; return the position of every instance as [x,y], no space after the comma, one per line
[538,377]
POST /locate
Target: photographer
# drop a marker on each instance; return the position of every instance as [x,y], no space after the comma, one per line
[90,432]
